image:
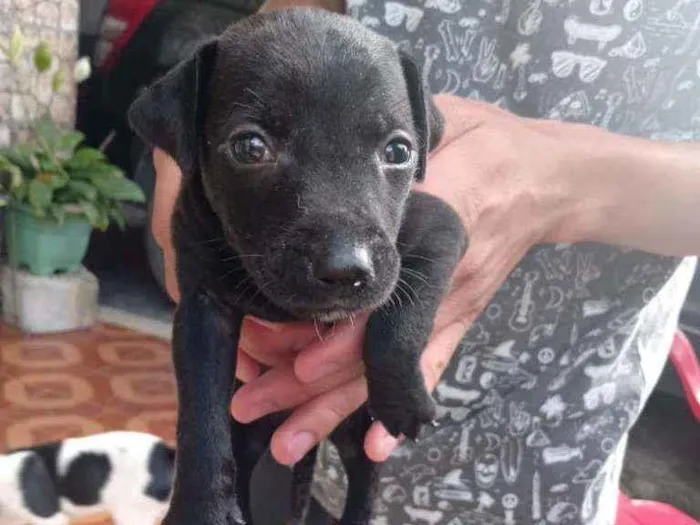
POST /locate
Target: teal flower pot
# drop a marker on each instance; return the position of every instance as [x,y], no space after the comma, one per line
[43,246]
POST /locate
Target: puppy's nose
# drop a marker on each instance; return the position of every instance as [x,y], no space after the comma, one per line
[346,265]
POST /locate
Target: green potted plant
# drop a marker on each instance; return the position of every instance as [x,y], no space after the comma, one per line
[58,189]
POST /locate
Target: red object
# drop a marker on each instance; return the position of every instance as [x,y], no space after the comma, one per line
[644,512]
[687,367]
[131,13]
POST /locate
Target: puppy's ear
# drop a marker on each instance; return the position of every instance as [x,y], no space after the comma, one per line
[169,113]
[427,119]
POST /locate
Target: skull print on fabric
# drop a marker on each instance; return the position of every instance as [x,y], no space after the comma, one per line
[535,407]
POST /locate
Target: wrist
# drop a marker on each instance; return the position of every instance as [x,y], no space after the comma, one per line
[629,191]
[573,193]
[591,167]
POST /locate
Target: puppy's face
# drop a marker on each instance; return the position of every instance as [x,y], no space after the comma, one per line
[310,145]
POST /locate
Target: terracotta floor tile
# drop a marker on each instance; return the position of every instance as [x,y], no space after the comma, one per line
[105,378]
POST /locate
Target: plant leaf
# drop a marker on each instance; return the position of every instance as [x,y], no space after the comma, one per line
[117,214]
[91,212]
[85,158]
[48,132]
[118,188]
[103,222]
[54,180]
[66,144]
[84,189]
[42,57]
[20,193]
[40,196]
[23,156]
[16,45]
[57,80]
[14,171]
[47,165]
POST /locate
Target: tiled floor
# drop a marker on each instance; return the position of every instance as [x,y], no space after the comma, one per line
[102,379]
[84,382]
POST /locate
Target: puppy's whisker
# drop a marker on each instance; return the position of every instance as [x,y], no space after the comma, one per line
[318,331]
[397,296]
[260,289]
[421,257]
[244,106]
[392,300]
[257,96]
[248,281]
[402,293]
[407,292]
[411,289]
[220,238]
[245,280]
[241,256]
[214,240]
[414,272]
[417,275]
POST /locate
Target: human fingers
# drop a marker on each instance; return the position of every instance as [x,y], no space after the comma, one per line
[279,389]
[314,421]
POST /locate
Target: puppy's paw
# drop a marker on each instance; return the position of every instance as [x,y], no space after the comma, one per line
[406,416]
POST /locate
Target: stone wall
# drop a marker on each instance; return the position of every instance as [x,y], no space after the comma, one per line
[53,21]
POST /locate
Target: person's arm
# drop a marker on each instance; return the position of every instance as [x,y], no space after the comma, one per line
[637,193]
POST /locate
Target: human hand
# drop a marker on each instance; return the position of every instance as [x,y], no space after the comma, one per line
[508,178]
[167,187]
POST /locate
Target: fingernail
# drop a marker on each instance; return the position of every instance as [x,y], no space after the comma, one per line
[300,443]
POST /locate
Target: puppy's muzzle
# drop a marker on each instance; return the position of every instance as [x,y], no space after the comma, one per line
[328,269]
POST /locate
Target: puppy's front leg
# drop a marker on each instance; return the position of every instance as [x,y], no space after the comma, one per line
[432,241]
[204,356]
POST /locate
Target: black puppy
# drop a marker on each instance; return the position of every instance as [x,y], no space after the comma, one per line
[299,133]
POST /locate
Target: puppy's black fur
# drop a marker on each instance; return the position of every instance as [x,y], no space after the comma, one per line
[299,134]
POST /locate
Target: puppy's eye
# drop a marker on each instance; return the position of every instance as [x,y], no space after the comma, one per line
[398,151]
[251,149]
